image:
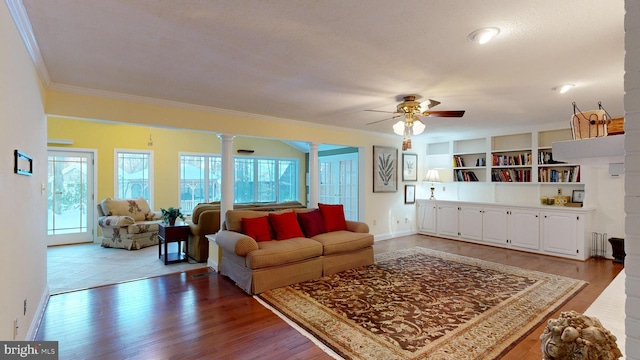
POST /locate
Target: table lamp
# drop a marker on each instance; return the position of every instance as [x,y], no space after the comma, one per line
[432,176]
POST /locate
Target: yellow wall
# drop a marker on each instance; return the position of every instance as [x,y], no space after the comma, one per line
[167,144]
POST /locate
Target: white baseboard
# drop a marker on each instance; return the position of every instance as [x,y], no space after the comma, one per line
[212,264]
[37,318]
[388,236]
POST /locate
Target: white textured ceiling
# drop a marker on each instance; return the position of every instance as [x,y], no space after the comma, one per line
[328,61]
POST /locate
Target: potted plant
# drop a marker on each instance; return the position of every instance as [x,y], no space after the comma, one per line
[171,214]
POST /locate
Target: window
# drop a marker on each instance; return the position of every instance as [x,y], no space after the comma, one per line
[256,180]
[265,180]
[133,174]
[199,180]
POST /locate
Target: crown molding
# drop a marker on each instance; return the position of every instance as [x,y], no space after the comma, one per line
[20,17]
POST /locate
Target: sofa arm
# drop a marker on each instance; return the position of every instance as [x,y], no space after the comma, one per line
[235,242]
[357,226]
[115,221]
[155,215]
[208,222]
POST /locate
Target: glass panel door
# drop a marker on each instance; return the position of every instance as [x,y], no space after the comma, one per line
[339,182]
[70,197]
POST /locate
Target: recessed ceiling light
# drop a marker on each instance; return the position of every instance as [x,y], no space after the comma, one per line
[484,35]
[563,88]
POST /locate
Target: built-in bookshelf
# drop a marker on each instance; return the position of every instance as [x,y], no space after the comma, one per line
[550,170]
[469,160]
[511,158]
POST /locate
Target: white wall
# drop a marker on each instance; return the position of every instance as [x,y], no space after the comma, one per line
[632,180]
[23,217]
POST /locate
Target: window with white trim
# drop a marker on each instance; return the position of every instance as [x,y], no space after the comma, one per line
[199,180]
[134,175]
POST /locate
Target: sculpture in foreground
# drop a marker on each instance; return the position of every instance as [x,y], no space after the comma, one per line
[578,337]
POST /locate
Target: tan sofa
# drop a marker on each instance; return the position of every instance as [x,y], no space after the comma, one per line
[205,220]
[128,223]
[258,266]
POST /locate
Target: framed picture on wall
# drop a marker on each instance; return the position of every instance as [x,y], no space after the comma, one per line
[409,194]
[385,169]
[409,167]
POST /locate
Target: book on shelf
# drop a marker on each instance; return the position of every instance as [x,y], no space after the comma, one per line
[465,175]
[559,175]
[511,175]
[511,160]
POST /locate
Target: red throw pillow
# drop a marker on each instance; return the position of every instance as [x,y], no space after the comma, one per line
[333,216]
[285,225]
[257,228]
[311,223]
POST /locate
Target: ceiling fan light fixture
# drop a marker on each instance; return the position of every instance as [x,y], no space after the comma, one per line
[418,127]
[563,88]
[398,127]
[484,35]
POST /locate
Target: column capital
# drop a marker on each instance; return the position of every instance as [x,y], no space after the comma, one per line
[226,137]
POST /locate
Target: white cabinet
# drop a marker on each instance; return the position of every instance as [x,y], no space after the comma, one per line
[524,229]
[447,219]
[560,233]
[470,222]
[426,216]
[494,225]
[548,230]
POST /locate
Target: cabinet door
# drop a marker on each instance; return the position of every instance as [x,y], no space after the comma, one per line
[494,225]
[559,232]
[426,216]
[470,222]
[524,229]
[447,219]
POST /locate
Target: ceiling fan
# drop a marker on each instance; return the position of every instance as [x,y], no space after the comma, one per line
[409,108]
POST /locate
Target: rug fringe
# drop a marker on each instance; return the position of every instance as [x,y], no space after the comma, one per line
[300,329]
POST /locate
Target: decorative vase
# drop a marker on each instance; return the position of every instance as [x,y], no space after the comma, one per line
[172,222]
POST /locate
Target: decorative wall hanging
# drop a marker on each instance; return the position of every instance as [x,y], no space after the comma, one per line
[409,194]
[409,167]
[589,124]
[385,169]
[23,163]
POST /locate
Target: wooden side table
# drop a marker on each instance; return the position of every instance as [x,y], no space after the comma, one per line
[173,233]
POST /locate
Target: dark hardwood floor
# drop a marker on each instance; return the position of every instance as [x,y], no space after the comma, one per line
[202,315]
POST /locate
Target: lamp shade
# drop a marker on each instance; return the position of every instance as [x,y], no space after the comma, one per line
[398,127]
[418,127]
[432,176]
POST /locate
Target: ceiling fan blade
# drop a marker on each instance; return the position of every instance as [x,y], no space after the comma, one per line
[433,103]
[378,121]
[382,111]
[444,113]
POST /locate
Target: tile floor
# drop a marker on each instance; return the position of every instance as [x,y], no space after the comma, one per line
[81,266]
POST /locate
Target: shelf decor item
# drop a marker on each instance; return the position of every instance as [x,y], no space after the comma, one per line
[385,169]
[409,167]
[577,196]
[171,214]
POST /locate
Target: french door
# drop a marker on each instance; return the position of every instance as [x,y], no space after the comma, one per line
[70,210]
[339,182]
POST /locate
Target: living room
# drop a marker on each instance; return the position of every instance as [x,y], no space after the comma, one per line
[28,102]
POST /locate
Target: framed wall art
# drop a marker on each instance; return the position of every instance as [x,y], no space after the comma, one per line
[385,169]
[409,194]
[23,163]
[577,196]
[409,167]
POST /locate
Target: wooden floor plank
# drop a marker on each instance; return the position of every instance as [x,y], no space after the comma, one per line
[202,315]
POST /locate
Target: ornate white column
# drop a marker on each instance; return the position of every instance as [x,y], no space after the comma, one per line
[313,176]
[226,201]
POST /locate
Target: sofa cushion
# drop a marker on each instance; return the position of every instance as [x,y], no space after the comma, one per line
[285,225]
[274,253]
[311,223]
[141,227]
[333,215]
[138,209]
[343,241]
[233,218]
[257,228]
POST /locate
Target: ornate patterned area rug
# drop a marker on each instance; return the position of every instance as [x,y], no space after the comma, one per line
[419,303]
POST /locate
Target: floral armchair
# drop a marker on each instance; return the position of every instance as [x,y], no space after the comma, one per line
[128,223]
